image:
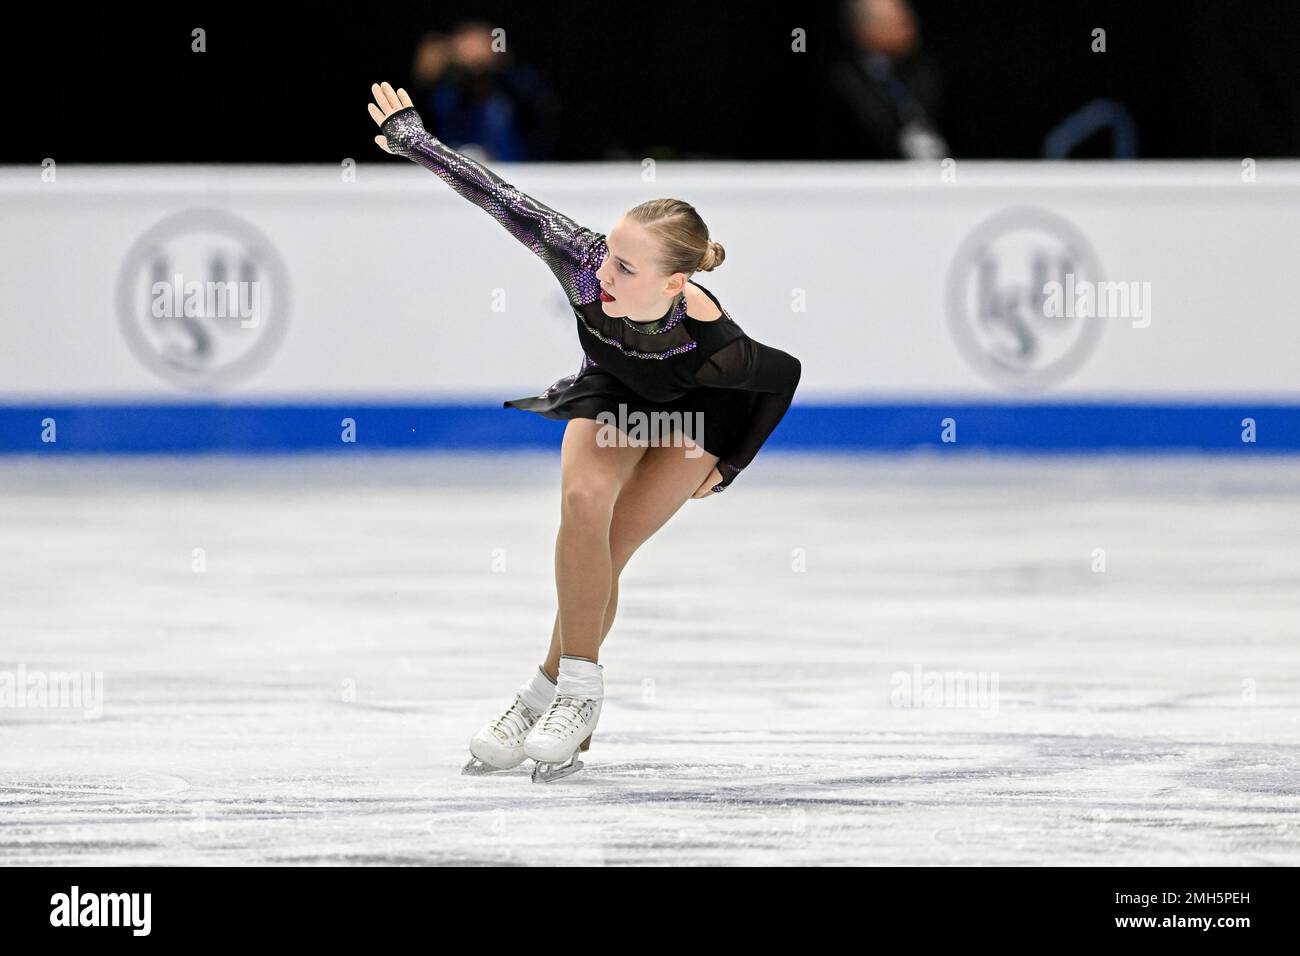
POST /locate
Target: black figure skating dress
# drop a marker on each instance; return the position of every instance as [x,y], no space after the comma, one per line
[678,363]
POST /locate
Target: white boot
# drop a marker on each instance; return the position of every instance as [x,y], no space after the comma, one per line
[499,744]
[555,739]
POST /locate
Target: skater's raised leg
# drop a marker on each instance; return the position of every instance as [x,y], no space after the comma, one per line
[662,482]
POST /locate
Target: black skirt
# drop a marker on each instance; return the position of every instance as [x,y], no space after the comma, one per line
[725,412]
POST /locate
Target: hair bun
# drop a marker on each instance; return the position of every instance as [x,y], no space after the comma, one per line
[713,256]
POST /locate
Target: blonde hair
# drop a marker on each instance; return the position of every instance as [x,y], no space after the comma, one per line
[683,237]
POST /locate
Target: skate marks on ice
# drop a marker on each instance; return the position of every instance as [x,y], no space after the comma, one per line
[780,806]
[308,695]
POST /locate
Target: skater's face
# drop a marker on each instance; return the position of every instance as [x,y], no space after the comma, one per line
[630,273]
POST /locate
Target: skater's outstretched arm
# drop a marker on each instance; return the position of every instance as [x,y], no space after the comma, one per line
[748,364]
[572,252]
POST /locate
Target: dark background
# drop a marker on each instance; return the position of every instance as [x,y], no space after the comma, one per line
[669,79]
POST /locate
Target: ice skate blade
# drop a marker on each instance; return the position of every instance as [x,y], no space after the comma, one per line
[550,772]
[477,768]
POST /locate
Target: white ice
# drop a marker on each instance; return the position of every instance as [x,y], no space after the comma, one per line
[308,697]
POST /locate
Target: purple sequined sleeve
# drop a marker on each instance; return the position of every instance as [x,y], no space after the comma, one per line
[572,252]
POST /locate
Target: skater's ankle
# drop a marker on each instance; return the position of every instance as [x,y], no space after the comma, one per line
[538,691]
[580,677]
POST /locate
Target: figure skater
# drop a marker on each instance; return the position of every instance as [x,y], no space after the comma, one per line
[653,341]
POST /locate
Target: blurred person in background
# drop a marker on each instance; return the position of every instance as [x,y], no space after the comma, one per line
[479,100]
[887,86]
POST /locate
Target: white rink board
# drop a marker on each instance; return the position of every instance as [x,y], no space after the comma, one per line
[391,281]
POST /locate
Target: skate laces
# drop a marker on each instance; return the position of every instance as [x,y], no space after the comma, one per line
[514,721]
[565,715]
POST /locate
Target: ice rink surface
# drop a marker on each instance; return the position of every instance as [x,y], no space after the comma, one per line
[296,651]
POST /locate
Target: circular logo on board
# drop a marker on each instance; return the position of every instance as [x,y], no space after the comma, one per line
[203,299]
[998,310]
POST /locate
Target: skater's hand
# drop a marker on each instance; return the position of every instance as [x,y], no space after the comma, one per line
[387,102]
[704,490]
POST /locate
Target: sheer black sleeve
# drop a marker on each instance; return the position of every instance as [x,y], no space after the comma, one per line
[572,252]
[748,364]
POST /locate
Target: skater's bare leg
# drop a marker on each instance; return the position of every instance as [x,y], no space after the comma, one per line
[661,483]
[592,477]
[552,663]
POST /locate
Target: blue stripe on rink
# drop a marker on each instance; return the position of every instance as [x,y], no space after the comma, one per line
[253,428]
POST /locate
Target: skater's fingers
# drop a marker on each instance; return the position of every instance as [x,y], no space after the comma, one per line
[405,98]
[394,103]
[381,98]
[376,114]
[383,143]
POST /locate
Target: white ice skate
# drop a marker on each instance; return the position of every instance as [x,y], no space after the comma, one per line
[499,744]
[560,735]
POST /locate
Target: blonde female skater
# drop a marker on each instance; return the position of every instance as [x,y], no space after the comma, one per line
[653,341]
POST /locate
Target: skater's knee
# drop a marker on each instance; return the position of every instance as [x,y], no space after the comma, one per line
[589,501]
